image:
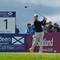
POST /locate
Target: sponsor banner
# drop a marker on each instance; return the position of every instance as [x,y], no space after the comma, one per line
[51,42]
[12,42]
[10,48]
[7,14]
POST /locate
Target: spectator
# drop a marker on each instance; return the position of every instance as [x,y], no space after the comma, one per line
[16,30]
[29,28]
[34,30]
[50,27]
[56,28]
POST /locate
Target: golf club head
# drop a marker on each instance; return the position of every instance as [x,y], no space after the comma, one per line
[26,6]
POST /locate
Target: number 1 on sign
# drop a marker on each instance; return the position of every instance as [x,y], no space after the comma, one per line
[6,21]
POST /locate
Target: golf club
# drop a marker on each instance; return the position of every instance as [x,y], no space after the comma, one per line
[34,11]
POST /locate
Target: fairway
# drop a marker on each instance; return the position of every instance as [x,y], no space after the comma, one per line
[29,56]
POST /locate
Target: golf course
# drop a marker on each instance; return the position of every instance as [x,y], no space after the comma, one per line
[29,56]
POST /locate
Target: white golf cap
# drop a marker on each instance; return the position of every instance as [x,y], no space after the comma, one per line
[35,15]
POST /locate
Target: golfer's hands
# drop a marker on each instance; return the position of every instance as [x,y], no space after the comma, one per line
[44,18]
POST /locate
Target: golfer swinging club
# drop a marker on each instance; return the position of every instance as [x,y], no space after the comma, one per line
[39,33]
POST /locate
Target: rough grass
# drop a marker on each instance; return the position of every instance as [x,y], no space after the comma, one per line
[29,56]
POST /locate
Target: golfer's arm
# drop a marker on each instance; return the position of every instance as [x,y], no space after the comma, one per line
[43,22]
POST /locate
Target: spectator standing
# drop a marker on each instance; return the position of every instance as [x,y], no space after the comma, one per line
[29,29]
[34,30]
[56,28]
[50,27]
[16,30]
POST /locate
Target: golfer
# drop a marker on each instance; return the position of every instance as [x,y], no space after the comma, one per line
[39,33]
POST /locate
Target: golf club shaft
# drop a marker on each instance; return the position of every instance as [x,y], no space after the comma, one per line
[36,12]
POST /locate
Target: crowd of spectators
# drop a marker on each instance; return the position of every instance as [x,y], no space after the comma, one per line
[49,27]
[30,29]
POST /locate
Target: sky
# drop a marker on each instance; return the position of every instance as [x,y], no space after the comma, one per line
[48,8]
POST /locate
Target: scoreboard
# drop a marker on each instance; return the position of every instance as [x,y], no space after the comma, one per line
[7,22]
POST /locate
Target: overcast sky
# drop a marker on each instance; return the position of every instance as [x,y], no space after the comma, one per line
[48,8]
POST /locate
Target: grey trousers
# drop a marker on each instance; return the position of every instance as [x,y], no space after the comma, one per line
[38,36]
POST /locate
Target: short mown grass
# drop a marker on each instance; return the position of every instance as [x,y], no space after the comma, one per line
[29,56]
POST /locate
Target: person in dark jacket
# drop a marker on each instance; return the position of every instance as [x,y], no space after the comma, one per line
[56,28]
[16,30]
[39,33]
[50,27]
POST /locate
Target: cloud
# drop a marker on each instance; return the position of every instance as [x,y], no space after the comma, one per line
[50,3]
[54,18]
